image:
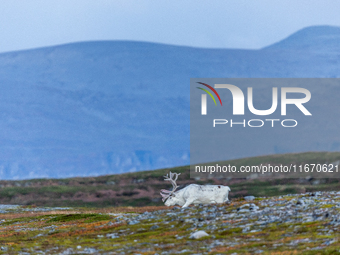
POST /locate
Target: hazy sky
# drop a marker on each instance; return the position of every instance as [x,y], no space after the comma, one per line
[249,24]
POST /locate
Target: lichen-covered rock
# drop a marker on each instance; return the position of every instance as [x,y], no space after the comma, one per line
[198,234]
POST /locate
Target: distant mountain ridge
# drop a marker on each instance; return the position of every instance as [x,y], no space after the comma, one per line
[95,108]
[311,38]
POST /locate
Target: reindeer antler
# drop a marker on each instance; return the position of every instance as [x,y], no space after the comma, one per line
[168,193]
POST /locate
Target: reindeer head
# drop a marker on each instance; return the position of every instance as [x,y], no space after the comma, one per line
[172,177]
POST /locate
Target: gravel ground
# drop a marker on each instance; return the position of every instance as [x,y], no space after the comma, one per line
[292,224]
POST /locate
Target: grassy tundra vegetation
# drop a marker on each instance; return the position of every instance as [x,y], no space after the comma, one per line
[123,214]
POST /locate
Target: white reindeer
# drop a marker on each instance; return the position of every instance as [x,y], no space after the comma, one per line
[193,193]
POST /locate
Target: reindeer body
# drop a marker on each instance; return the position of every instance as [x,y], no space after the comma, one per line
[194,193]
[199,194]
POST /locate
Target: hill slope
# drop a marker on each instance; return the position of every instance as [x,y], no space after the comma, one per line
[95,108]
[142,188]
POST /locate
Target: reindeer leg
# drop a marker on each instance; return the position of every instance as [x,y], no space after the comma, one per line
[187,203]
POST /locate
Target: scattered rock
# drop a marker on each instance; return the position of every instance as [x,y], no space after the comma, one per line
[133,222]
[154,227]
[300,202]
[198,234]
[246,230]
[90,250]
[249,198]
[113,235]
[39,235]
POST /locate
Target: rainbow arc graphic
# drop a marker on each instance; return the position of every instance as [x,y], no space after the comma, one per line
[204,97]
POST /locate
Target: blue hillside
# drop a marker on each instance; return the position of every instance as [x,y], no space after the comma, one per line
[94,108]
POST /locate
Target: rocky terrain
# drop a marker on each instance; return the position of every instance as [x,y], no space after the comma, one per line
[123,214]
[291,224]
